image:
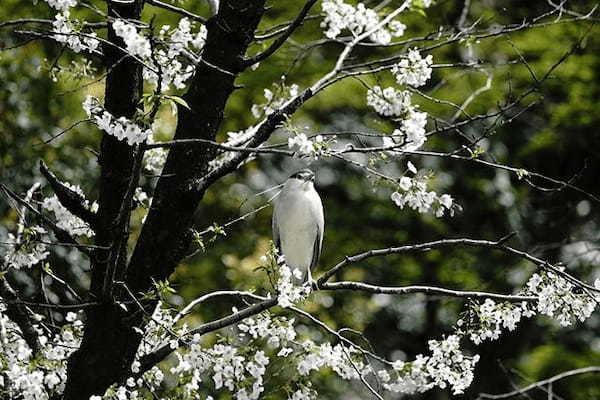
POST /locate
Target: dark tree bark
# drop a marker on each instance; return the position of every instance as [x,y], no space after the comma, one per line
[165,237]
[108,345]
[110,342]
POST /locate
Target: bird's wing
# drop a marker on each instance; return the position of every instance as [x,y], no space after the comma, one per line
[317,210]
[275,227]
[316,249]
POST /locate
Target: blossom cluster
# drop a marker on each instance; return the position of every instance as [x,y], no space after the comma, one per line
[136,44]
[412,192]
[26,250]
[275,99]
[303,146]
[341,359]
[389,102]
[160,329]
[173,59]
[67,221]
[154,159]
[62,5]
[446,366]
[340,16]
[412,130]
[411,134]
[238,369]
[134,389]
[289,291]
[556,298]
[121,128]
[65,32]
[485,321]
[41,376]
[414,70]
[304,393]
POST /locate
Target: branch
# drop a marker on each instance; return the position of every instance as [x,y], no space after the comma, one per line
[428,290]
[60,233]
[498,244]
[76,306]
[409,248]
[20,315]
[23,21]
[165,236]
[280,28]
[268,125]
[567,374]
[281,39]
[188,309]
[323,325]
[178,10]
[222,146]
[151,359]
[70,199]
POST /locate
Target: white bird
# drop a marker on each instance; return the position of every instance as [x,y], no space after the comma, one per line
[298,223]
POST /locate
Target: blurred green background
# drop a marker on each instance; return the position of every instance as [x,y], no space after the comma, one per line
[555,131]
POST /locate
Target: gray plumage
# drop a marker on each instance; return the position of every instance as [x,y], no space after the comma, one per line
[298,222]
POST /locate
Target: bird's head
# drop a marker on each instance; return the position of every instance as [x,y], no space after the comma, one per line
[305,175]
[301,180]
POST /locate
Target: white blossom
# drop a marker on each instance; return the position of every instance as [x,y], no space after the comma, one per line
[154,160]
[28,375]
[173,57]
[445,366]
[121,128]
[389,101]
[289,291]
[62,5]
[275,99]
[413,70]
[65,32]
[340,16]
[304,393]
[338,358]
[26,251]
[412,192]
[558,299]
[412,129]
[303,146]
[136,44]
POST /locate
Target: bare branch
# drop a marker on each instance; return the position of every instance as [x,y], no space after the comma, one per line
[60,233]
[408,248]
[540,384]
[281,39]
[20,315]
[178,10]
[68,198]
[428,290]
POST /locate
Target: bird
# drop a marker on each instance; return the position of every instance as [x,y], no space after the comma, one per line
[298,223]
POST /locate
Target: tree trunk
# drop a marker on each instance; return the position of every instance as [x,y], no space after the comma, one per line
[110,343]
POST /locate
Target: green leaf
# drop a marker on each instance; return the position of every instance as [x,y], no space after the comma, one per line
[179,101]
